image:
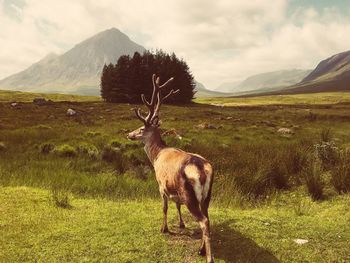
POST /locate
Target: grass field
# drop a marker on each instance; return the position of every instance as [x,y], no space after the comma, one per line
[6,96]
[74,189]
[33,229]
[295,99]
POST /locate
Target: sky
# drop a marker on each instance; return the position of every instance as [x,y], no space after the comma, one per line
[222,40]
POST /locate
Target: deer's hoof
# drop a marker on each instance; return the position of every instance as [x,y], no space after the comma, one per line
[202,251]
[164,230]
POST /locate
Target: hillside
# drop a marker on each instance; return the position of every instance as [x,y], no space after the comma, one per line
[76,71]
[203,92]
[330,75]
[268,80]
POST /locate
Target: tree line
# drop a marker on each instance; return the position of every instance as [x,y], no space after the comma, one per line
[132,76]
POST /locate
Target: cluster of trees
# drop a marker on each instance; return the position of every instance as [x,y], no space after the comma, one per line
[132,76]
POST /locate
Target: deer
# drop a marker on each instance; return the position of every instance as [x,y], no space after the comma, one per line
[183,177]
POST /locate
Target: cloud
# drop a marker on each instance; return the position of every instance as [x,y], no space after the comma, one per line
[221,41]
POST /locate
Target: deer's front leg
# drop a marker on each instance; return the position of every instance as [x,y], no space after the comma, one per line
[165,214]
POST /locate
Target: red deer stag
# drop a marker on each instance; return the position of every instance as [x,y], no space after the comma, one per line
[183,177]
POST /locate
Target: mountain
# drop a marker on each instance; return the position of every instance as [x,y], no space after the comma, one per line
[331,74]
[269,80]
[201,91]
[332,68]
[76,71]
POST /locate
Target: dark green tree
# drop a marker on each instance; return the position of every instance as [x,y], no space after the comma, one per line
[106,81]
[131,77]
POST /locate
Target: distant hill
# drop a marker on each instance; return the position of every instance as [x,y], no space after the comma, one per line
[331,74]
[270,81]
[76,71]
[201,91]
[332,68]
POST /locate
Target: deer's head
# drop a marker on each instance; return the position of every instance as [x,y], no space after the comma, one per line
[151,121]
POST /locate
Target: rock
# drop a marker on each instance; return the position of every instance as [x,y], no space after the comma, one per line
[204,126]
[300,241]
[217,105]
[40,101]
[71,112]
[285,131]
[14,104]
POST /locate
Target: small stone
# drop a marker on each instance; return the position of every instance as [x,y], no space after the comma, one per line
[285,131]
[71,112]
[300,241]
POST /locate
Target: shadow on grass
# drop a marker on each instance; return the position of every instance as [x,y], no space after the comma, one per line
[231,246]
[228,245]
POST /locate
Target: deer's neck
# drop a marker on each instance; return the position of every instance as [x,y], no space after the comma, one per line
[153,146]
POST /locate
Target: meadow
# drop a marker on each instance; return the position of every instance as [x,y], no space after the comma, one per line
[73,188]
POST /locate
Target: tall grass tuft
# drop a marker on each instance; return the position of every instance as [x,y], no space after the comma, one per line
[313,178]
[60,198]
[341,173]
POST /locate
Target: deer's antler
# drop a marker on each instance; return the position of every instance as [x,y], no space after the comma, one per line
[156,100]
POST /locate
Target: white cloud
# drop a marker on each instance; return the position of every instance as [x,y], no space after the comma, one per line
[221,40]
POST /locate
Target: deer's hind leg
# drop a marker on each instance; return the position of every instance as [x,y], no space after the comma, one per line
[181,224]
[165,228]
[194,208]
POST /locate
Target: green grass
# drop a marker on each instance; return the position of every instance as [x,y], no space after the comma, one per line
[306,99]
[18,96]
[33,229]
[260,200]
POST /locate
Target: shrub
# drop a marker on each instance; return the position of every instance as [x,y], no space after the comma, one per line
[327,152]
[65,150]
[341,173]
[313,179]
[89,150]
[46,148]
